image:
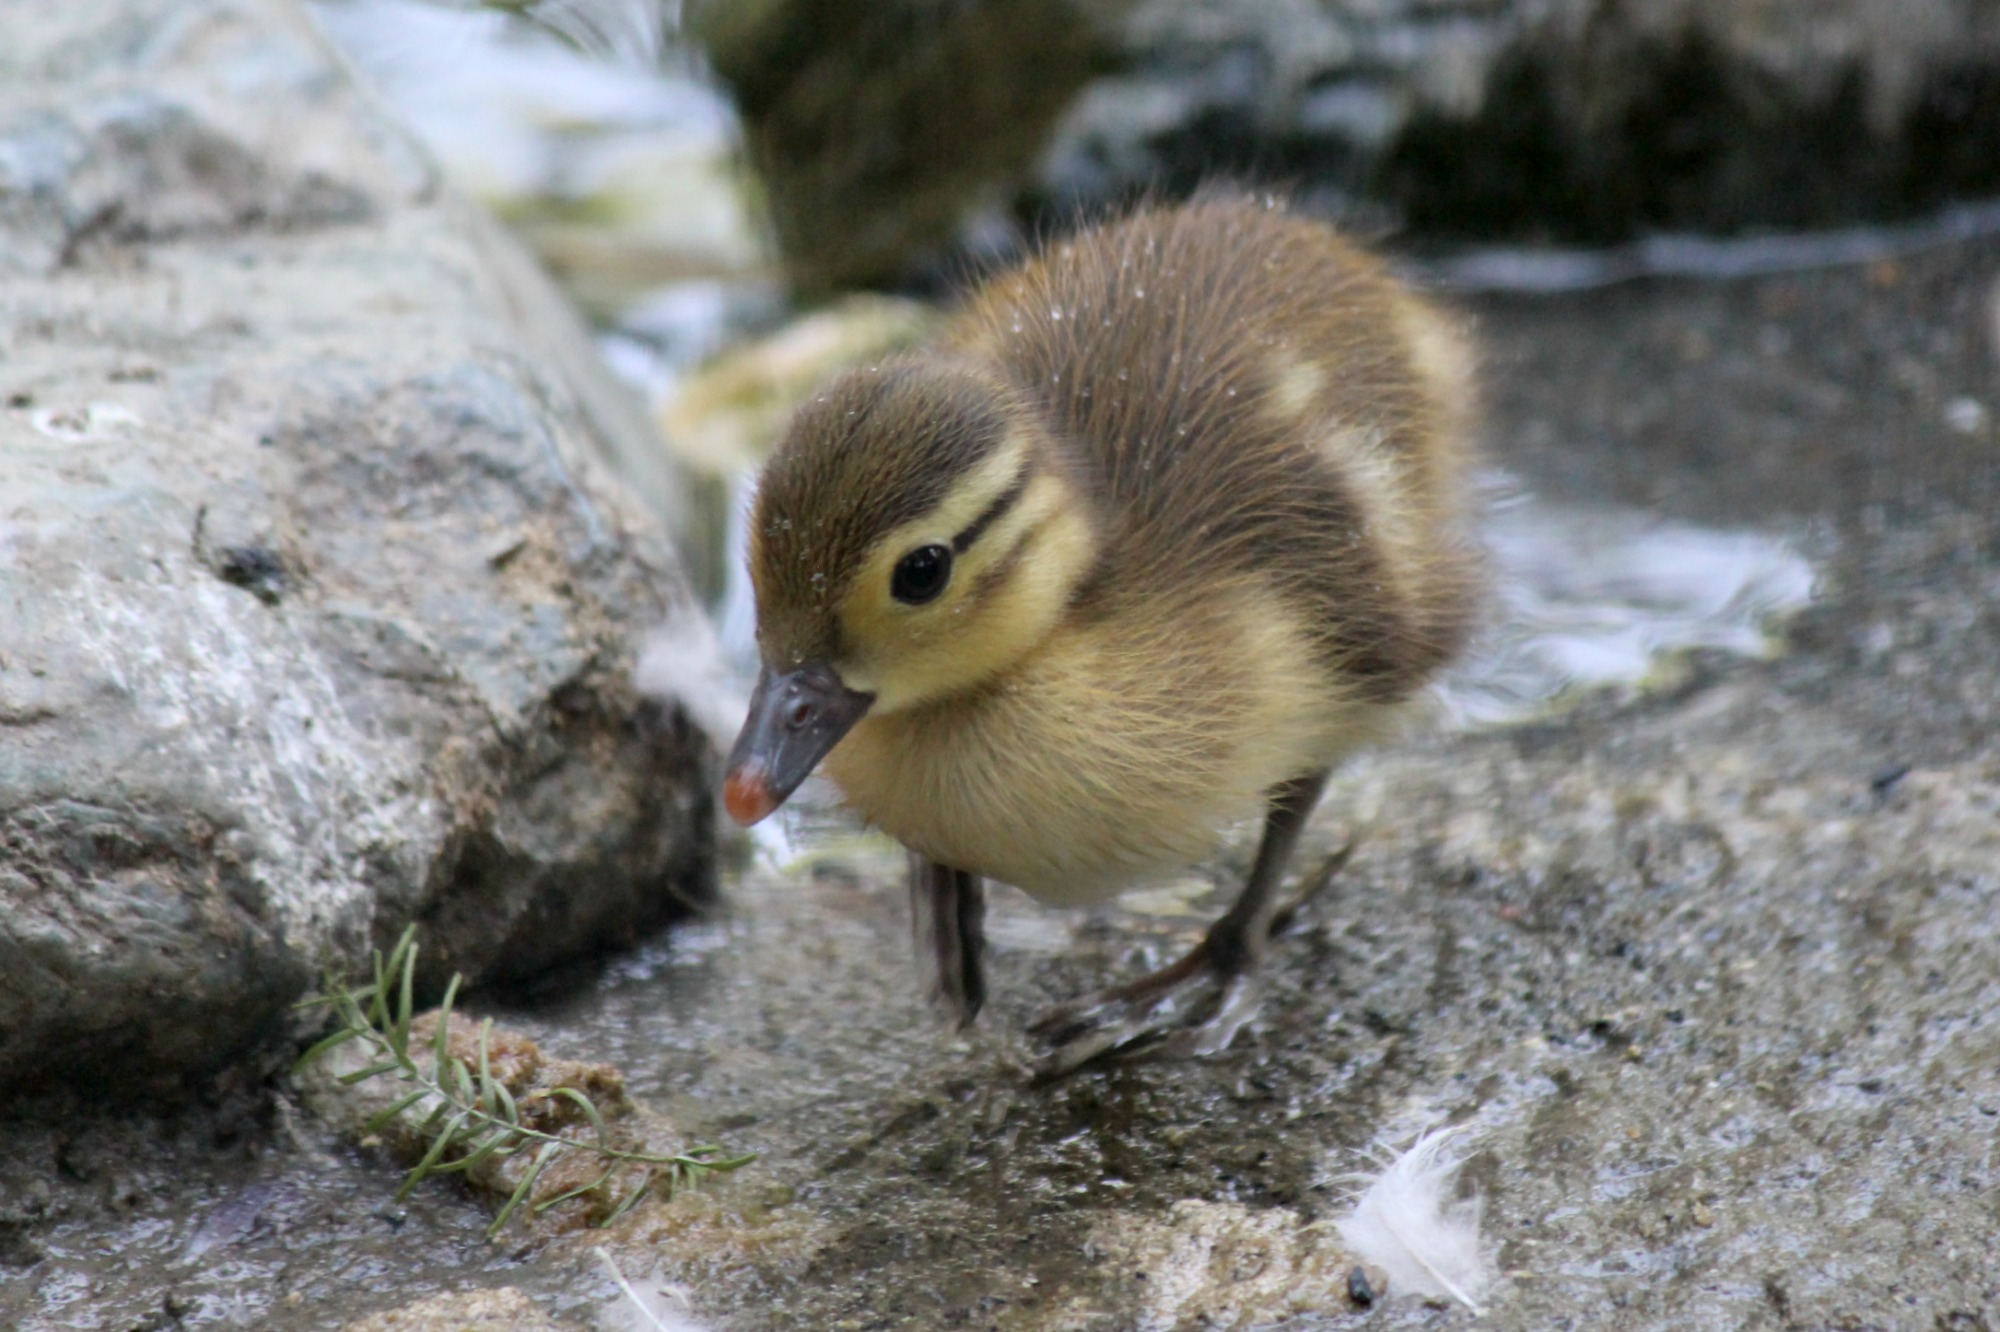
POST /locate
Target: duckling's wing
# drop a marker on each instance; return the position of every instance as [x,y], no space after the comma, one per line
[1249,396]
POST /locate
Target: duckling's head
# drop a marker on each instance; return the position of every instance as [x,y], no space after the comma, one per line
[913,537]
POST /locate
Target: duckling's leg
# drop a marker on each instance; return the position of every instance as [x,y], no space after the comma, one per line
[1231,954]
[948,918]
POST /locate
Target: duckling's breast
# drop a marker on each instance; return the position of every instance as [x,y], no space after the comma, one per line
[1124,747]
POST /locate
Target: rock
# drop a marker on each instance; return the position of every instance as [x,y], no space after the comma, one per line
[320,591]
[502,1310]
[1576,120]
[1993,324]
[1603,122]
[1221,1265]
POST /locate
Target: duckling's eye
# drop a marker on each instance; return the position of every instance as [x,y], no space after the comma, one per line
[921,575]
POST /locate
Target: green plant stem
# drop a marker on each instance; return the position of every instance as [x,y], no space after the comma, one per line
[473,1111]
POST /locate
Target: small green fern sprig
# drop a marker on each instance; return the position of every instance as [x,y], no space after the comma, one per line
[473,1118]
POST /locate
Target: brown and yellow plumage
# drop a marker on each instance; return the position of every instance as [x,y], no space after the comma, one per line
[1195,481]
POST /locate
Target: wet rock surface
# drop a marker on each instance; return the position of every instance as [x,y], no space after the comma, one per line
[232,1214]
[319,595]
[1707,968]
[502,1310]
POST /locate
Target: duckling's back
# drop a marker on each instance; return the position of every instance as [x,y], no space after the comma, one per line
[1249,400]
[1258,442]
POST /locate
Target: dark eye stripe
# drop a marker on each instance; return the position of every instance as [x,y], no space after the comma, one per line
[999,573]
[1004,501]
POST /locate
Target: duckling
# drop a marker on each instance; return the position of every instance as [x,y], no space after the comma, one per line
[1166,522]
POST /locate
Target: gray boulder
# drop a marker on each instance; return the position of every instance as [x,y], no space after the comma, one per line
[924,127]
[1582,120]
[319,591]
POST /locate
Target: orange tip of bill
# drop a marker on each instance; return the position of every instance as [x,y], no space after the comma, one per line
[747,795]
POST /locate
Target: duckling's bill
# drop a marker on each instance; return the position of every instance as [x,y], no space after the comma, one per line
[795,717]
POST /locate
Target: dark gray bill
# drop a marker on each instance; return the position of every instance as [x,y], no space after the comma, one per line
[795,718]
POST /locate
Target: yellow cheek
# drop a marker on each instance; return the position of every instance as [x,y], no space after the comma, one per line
[910,654]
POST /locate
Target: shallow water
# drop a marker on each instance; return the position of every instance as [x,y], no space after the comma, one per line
[270,1228]
[1606,597]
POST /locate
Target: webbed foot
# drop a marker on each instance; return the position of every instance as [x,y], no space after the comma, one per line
[1193,1006]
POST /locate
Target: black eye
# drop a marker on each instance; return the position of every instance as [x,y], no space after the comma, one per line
[921,575]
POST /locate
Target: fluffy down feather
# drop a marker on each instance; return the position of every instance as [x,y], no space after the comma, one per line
[1406,1222]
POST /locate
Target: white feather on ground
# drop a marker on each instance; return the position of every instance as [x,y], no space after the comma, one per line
[1407,1222]
[652,1305]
